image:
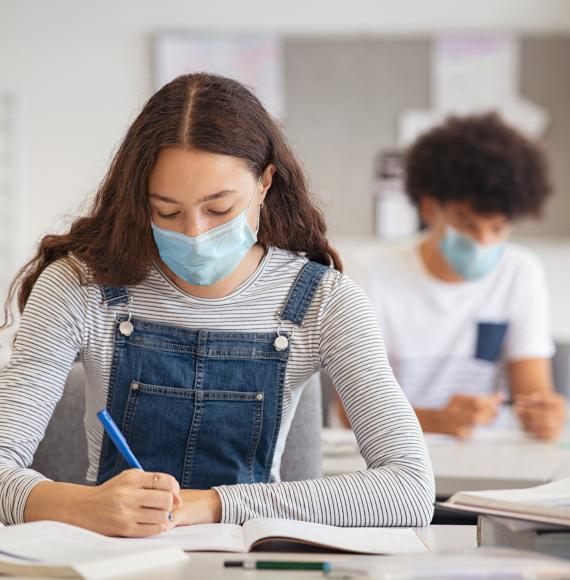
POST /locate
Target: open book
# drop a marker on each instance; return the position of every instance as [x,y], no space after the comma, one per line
[51,549]
[55,549]
[548,503]
[280,535]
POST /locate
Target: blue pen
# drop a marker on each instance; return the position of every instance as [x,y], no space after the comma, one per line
[118,439]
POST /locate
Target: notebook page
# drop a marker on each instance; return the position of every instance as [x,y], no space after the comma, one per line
[199,537]
[49,543]
[554,494]
[58,543]
[360,540]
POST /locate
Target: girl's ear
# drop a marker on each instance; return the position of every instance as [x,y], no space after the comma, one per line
[266,181]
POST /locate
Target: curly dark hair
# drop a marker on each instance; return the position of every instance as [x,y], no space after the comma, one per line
[480,160]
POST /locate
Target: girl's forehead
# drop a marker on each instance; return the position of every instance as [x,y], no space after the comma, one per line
[182,176]
[193,161]
[203,172]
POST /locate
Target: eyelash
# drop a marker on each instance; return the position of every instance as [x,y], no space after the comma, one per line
[173,215]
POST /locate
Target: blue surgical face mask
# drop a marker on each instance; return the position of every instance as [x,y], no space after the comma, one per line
[468,258]
[204,259]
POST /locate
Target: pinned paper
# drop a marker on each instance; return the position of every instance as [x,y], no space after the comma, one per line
[470,75]
[473,72]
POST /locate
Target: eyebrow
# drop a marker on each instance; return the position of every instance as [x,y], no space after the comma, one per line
[210,197]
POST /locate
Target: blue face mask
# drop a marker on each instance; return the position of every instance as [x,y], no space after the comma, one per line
[468,258]
[203,260]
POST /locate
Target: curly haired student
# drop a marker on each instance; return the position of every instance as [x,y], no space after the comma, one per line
[464,310]
[200,293]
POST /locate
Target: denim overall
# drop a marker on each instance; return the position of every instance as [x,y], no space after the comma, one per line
[201,405]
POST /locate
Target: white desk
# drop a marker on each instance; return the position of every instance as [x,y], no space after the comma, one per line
[498,457]
[210,565]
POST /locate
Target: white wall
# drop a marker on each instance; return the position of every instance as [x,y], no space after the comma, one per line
[293,16]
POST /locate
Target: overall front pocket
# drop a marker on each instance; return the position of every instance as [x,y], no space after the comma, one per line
[224,438]
[201,437]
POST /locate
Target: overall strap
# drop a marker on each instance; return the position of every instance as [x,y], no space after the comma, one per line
[114,296]
[302,292]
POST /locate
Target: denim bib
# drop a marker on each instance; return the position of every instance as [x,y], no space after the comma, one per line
[201,405]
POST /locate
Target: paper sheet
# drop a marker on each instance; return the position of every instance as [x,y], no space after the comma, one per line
[47,544]
[555,493]
[201,537]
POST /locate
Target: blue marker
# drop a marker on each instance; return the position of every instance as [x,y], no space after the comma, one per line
[118,439]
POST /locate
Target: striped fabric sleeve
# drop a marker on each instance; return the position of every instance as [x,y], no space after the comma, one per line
[32,382]
[397,488]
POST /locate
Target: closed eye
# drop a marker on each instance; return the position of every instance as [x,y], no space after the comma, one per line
[169,215]
[225,212]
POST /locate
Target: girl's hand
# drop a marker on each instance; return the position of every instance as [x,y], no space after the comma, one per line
[199,506]
[134,504]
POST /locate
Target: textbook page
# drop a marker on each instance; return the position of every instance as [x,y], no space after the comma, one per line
[548,503]
[555,493]
[45,544]
[201,537]
[552,499]
[358,540]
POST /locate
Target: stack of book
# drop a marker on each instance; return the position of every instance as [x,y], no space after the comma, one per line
[536,519]
[524,535]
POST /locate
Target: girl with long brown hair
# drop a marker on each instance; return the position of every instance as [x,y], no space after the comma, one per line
[200,293]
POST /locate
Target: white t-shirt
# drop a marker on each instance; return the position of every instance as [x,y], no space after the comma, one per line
[444,338]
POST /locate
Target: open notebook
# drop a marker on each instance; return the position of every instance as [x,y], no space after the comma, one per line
[55,549]
[280,535]
[548,503]
[51,549]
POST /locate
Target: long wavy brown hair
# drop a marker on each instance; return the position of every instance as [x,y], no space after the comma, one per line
[196,111]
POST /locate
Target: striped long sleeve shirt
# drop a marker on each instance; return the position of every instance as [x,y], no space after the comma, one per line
[65,320]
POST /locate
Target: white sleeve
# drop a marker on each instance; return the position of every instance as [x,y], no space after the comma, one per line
[528,335]
[31,384]
[397,488]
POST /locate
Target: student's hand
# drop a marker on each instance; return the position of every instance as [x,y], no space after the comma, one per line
[134,503]
[463,412]
[541,413]
[198,506]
